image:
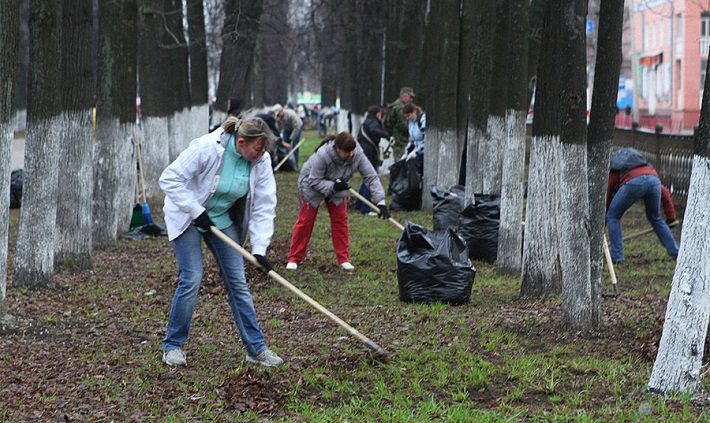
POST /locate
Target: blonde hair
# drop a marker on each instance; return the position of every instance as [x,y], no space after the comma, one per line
[251,129]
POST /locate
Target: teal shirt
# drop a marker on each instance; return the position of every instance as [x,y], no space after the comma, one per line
[233,184]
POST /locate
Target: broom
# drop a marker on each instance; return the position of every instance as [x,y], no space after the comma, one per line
[145,209]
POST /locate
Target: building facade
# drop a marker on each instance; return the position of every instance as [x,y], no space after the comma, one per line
[669,42]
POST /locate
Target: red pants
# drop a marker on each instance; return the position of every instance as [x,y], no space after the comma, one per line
[303,228]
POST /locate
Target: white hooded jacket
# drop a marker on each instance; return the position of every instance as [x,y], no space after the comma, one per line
[190,181]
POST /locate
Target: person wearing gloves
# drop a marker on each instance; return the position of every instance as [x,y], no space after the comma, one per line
[291,128]
[371,131]
[416,120]
[222,179]
[325,177]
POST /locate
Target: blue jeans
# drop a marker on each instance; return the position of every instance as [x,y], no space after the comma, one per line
[188,251]
[293,139]
[362,207]
[647,187]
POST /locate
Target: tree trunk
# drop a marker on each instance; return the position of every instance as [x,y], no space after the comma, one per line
[76,181]
[270,76]
[600,133]
[482,14]
[34,255]
[510,235]
[491,150]
[680,352]
[441,58]
[9,41]
[197,52]
[403,48]
[541,259]
[241,27]
[115,170]
[574,198]
[157,101]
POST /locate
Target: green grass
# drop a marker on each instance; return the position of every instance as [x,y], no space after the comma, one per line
[93,349]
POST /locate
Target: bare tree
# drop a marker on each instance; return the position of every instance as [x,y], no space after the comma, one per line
[75,188]
[600,133]
[482,19]
[541,273]
[115,169]
[9,41]
[239,34]
[574,198]
[510,241]
[404,42]
[271,70]
[439,92]
[34,256]
[680,352]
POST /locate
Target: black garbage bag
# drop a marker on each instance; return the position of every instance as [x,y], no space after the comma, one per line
[478,226]
[433,266]
[289,165]
[447,206]
[145,232]
[405,185]
[16,188]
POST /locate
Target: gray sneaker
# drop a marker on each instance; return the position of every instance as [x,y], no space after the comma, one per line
[174,357]
[266,358]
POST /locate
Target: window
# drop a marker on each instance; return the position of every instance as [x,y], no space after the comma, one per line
[705,24]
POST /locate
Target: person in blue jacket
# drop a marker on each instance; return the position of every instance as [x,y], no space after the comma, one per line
[223,179]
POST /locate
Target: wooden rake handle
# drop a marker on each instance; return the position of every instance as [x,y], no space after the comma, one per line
[290,152]
[375,208]
[288,285]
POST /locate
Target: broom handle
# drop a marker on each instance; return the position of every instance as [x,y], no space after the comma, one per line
[140,169]
[291,151]
[375,208]
[610,265]
[288,285]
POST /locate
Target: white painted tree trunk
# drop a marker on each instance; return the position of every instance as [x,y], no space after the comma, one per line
[491,158]
[541,274]
[114,181]
[510,232]
[474,172]
[34,253]
[75,191]
[577,305]
[432,139]
[154,135]
[680,352]
[7,128]
[449,158]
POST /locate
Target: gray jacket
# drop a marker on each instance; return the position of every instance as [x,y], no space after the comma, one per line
[189,182]
[318,175]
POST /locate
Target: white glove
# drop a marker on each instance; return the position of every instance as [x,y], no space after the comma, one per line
[411,155]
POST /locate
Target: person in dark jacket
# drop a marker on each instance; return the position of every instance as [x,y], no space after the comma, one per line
[368,137]
[632,178]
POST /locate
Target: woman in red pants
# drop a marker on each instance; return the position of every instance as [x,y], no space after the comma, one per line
[325,176]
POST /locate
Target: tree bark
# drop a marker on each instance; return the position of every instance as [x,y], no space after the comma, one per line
[680,352]
[115,170]
[541,259]
[9,41]
[482,14]
[76,183]
[439,90]
[34,255]
[600,133]
[510,235]
[241,26]
[403,46]
[574,226]
[270,75]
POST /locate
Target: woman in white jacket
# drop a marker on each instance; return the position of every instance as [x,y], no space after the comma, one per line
[222,179]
